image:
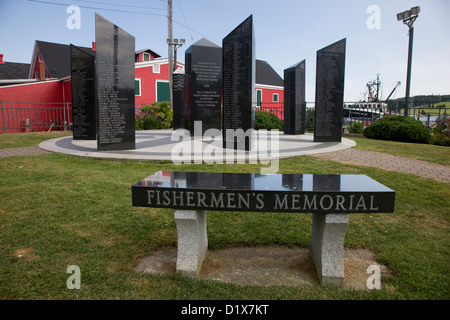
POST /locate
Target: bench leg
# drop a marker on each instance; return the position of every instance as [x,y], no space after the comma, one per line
[192,241]
[327,247]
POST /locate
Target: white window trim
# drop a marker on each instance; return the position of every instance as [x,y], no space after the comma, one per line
[277,95]
[143,56]
[156,68]
[156,88]
[140,87]
[260,90]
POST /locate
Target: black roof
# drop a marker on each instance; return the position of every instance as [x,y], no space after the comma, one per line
[57,57]
[265,74]
[14,70]
[57,60]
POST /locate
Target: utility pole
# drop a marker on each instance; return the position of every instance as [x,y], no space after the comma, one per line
[170,36]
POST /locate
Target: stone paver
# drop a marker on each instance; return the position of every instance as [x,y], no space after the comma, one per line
[389,162]
[25,151]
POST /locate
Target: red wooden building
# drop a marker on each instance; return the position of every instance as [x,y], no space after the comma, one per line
[37,96]
[152,77]
[269,89]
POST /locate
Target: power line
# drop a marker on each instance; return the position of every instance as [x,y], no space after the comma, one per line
[97,8]
[119,5]
[184,18]
[203,35]
[122,11]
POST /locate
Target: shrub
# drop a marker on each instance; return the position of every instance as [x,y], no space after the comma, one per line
[398,128]
[441,140]
[157,115]
[355,127]
[310,115]
[266,120]
[442,132]
[442,126]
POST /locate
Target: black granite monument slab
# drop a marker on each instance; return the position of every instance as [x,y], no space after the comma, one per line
[82,70]
[295,193]
[294,99]
[238,60]
[330,74]
[115,50]
[178,100]
[203,84]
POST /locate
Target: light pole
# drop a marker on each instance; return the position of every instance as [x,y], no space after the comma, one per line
[172,43]
[409,17]
[175,43]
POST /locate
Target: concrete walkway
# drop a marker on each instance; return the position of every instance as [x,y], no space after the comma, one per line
[389,162]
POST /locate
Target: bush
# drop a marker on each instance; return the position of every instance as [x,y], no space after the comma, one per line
[398,128]
[157,115]
[441,140]
[310,115]
[355,127]
[266,120]
[442,132]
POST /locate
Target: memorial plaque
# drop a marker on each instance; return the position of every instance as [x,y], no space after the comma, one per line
[178,99]
[115,115]
[238,60]
[294,99]
[330,73]
[204,84]
[313,193]
[82,70]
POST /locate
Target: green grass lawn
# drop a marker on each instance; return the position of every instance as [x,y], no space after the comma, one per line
[59,210]
[19,140]
[432,111]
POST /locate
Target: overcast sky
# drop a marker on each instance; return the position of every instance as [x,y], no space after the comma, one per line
[286,32]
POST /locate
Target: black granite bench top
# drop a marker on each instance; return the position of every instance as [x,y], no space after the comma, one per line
[346,193]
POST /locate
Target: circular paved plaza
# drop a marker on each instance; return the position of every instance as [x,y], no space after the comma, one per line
[165,145]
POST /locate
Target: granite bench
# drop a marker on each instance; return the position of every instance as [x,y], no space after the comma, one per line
[330,198]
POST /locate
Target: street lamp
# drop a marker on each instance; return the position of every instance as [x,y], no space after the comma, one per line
[175,43]
[409,17]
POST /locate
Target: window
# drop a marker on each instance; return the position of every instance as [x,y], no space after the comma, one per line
[162,91]
[156,68]
[137,87]
[275,97]
[258,98]
[146,56]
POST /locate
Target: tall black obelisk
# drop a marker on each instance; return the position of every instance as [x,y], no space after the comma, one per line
[238,60]
[115,50]
[82,70]
[294,99]
[203,84]
[330,74]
